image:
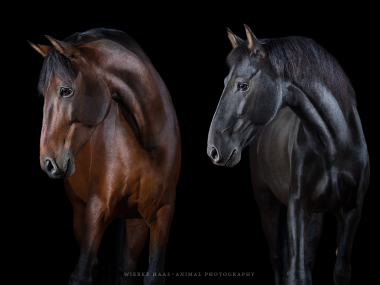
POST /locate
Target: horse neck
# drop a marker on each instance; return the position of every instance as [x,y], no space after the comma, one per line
[322,116]
[137,87]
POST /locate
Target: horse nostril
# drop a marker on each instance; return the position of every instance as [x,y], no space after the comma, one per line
[214,154]
[49,166]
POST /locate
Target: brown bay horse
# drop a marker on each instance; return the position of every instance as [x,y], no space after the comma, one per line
[111,132]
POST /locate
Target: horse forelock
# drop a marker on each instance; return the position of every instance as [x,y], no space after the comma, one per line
[55,65]
[303,62]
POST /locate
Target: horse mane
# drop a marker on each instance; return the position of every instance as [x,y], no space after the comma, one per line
[303,62]
[96,32]
[58,65]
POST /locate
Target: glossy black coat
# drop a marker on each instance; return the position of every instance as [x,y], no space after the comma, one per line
[308,154]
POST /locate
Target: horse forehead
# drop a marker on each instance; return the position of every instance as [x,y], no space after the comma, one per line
[242,68]
[52,83]
[228,77]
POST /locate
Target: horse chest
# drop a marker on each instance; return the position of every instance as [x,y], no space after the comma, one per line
[274,152]
[79,181]
[103,168]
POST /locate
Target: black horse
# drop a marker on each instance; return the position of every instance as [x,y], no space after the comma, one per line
[292,103]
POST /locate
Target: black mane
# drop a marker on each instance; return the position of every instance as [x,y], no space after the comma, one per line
[58,65]
[303,61]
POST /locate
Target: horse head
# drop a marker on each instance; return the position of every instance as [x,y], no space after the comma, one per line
[76,101]
[250,99]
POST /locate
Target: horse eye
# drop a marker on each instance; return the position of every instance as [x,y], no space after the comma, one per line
[242,86]
[65,91]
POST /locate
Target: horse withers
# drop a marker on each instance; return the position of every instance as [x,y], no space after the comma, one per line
[292,103]
[111,132]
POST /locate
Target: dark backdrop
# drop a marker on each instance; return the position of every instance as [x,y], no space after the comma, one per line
[216,226]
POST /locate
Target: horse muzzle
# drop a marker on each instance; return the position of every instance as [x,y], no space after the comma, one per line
[54,171]
[229,160]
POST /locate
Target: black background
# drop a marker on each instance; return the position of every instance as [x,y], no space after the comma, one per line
[216,226]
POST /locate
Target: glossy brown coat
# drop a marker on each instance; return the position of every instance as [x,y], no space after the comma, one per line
[119,131]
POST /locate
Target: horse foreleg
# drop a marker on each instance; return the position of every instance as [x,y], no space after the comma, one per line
[298,221]
[273,218]
[137,232]
[347,225]
[159,234]
[314,232]
[78,218]
[271,210]
[78,207]
[93,228]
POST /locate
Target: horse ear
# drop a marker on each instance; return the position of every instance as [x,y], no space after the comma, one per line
[66,49]
[253,43]
[235,40]
[41,49]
